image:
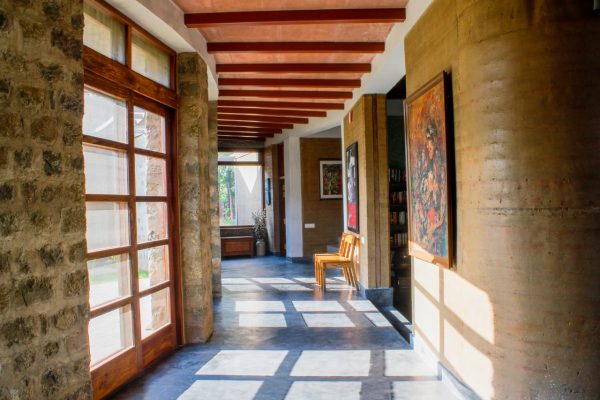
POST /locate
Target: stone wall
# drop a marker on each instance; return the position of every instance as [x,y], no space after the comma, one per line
[215,238]
[43,277]
[520,316]
[194,158]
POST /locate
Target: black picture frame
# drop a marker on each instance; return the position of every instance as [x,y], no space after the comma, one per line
[352,188]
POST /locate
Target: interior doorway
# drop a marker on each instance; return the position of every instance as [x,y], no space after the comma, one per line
[400,268]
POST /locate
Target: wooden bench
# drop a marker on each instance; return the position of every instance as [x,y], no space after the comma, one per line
[237,246]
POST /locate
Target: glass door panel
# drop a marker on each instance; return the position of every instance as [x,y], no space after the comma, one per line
[107,225]
[150,176]
[110,333]
[109,279]
[151,221]
[155,311]
[150,129]
[153,266]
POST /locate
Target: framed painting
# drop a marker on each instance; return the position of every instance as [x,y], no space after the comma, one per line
[352,188]
[330,176]
[427,119]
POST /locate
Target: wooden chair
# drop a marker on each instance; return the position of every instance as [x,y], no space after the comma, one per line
[344,260]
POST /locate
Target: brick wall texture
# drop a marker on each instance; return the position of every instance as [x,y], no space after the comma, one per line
[43,278]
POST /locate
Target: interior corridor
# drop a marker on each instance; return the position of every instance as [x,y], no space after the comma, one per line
[277,336]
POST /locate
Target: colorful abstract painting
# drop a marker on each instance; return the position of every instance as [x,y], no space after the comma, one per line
[429,198]
[331,179]
[352,187]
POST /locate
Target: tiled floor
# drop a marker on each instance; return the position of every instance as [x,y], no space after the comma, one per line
[277,337]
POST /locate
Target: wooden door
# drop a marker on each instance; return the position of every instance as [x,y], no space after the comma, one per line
[130,234]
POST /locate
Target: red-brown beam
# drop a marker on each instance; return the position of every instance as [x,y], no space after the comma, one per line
[293,94]
[263,118]
[238,137]
[266,111]
[245,134]
[297,47]
[313,83]
[286,17]
[295,67]
[255,124]
[249,130]
[282,104]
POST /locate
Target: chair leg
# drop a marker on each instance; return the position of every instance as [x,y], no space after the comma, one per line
[346,277]
[352,272]
[323,276]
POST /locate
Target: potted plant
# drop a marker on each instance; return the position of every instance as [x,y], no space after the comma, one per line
[260,231]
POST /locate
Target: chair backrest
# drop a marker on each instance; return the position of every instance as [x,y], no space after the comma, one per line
[343,244]
[348,245]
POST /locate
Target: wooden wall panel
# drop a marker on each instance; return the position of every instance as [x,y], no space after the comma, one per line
[327,215]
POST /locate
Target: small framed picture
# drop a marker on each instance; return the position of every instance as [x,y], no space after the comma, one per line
[330,173]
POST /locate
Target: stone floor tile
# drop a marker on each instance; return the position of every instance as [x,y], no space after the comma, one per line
[362,305]
[430,390]
[317,306]
[406,363]
[378,319]
[333,363]
[327,320]
[324,391]
[259,306]
[235,281]
[293,287]
[272,280]
[244,363]
[243,288]
[222,390]
[247,320]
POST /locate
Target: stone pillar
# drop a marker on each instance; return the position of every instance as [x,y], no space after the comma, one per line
[44,310]
[193,144]
[215,239]
[519,318]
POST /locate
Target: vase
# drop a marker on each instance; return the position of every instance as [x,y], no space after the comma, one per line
[261,247]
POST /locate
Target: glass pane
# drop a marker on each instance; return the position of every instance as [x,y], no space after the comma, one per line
[103,34]
[107,225]
[149,130]
[109,279]
[150,176]
[153,266]
[104,117]
[240,156]
[110,333]
[155,311]
[105,170]
[151,221]
[240,194]
[150,61]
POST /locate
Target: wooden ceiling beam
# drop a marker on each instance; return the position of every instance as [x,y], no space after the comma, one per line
[262,118]
[220,132]
[295,68]
[290,17]
[243,137]
[249,130]
[312,83]
[297,47]
[266,111]
[254,124]
[289,94]
[282,104]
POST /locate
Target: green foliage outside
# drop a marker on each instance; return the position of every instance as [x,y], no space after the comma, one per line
[227,195]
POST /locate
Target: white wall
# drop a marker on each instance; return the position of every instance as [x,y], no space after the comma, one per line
[293,197]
